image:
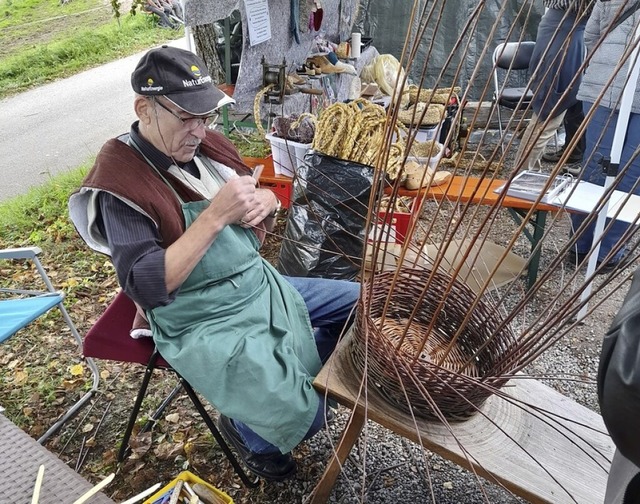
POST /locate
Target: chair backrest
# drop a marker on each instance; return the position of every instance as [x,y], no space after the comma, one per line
[109,338]
[513,55]
[510,56]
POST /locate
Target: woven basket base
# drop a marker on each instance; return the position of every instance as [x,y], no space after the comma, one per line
[433,369]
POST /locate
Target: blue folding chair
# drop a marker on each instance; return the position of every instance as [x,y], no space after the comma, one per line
[18,308]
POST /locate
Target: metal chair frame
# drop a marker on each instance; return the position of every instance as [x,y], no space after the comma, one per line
[25,298]
[109,339]
[510,56]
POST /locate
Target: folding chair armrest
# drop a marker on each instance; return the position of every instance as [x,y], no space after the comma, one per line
[20,253]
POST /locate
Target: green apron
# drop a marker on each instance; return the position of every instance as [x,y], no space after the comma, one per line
[240,334]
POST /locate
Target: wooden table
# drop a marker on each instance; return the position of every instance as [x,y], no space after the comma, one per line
[570,441]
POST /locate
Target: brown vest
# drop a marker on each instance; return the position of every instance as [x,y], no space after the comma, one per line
[122,171]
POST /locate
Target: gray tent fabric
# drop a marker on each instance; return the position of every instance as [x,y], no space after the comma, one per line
[380,20]
[335,26]
[386,22]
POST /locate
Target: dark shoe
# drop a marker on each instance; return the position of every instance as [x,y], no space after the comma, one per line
[576,259]
[574,170]
[270,466]
[621,263]
[330,416]
[554,157]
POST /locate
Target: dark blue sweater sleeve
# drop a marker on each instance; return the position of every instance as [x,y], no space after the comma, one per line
[135,251]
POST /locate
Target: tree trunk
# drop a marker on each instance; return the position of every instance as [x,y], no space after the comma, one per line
[205,40]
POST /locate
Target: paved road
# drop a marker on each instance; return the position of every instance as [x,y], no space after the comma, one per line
[59,126]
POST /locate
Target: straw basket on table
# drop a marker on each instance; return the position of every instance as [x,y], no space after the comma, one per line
[412,354]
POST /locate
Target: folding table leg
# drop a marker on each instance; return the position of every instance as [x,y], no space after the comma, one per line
[124,447]
[538,231]
[538,222]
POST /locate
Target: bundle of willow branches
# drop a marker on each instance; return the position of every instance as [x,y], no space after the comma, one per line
[429,344]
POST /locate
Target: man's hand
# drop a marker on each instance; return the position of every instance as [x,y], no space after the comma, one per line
[235,200]
[265,203]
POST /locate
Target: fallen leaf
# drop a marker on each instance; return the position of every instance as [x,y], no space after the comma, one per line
[20,377]
[87,428]
[77,370]
[165,451]
[140,445]
[173,418]
[109,456]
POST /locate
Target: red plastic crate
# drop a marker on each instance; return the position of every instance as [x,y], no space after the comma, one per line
[283,190]
[399,221]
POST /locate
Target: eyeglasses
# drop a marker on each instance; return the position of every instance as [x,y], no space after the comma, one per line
[190,123]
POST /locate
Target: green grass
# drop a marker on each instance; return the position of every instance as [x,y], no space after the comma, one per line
[39,217]
[20,16]
[250,144]
[35,52]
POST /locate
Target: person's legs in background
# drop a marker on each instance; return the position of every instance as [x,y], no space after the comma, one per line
[603,123]
[177,9]
[163,19]
[572,121]
[535,139]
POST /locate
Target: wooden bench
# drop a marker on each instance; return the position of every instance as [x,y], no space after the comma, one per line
[459,190]
[540,444]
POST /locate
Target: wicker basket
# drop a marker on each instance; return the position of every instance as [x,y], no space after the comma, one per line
[434,115]
[439,95]
[459,384]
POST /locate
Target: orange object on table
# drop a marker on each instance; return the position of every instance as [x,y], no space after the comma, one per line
[281,185]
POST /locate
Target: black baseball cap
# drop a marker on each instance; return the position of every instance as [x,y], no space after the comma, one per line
[180,76]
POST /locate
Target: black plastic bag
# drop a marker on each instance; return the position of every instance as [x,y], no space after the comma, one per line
[325,230]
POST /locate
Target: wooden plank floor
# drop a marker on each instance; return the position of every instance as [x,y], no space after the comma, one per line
[559,455]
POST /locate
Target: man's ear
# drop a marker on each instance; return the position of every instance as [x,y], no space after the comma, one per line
[144,109]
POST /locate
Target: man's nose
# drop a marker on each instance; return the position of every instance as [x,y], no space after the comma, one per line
[200,131]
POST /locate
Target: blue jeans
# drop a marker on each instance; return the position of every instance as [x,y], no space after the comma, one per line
[604,121]
[331,306]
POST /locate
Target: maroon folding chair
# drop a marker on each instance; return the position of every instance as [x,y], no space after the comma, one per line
[109,338]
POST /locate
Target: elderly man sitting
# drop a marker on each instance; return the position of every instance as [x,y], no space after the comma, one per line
[177,210]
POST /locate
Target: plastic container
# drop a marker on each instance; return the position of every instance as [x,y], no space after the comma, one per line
[431,161]
[424,133]
[428,133]
[192,479]
[287,155]
[281,190]
[394,226]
